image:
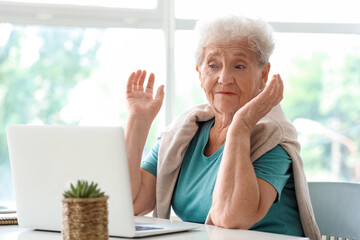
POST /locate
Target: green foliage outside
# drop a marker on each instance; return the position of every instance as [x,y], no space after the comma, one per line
[330,96]
[39,91]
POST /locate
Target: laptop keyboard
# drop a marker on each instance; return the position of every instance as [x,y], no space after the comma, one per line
[146,228]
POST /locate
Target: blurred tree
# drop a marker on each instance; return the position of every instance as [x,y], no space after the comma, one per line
[302,97]
[342,109]
[36,89]
[329,96]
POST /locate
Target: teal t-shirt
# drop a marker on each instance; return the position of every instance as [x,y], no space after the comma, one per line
[192,197]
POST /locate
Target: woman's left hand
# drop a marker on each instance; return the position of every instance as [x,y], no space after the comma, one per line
[240,199]
[246,117]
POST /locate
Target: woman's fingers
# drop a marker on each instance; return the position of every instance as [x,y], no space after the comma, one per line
[141,81]
[129,85]
[274,90]
[136,82]
[159,97]
[150,85]
[278,88]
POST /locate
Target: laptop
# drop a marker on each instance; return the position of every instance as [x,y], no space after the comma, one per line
[46,159]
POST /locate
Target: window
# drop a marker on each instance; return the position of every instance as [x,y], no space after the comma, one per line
[66,62]
[187,84]
[68,75]
[322,83]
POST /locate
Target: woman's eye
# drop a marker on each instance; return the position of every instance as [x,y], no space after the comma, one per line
[240,66]
[212,66]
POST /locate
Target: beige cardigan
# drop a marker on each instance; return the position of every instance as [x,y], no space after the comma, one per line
[271,130]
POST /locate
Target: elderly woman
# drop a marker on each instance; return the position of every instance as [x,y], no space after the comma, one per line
[234,162]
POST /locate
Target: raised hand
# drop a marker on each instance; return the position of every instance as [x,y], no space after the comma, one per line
[247,116]
[140,101]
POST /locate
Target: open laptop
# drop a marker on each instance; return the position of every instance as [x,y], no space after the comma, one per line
[46,159]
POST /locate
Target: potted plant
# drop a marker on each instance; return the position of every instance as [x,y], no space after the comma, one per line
[85,213]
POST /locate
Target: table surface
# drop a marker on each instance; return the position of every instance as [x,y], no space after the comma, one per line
[204,232]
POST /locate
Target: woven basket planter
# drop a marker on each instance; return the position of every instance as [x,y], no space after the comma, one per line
[85,218]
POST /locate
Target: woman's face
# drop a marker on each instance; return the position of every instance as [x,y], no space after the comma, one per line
[231,76]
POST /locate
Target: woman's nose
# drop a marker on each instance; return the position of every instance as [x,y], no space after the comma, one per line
[225,77]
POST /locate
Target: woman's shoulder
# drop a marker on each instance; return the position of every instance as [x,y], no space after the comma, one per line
[275,122]
[272,130]
[189,118]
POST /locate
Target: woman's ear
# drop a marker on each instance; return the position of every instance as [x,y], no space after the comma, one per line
[264,75]
[197,69]
[199,72]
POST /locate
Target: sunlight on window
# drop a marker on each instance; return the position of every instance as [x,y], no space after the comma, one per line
[187,84]
[322,82]
[5,29]
[30,46]
[100,99]
[60,75]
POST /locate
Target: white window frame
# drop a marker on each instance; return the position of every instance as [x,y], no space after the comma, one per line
[161,17]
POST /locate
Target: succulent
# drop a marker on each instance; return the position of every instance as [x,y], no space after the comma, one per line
[83,190]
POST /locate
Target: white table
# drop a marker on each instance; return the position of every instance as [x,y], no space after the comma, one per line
[204,232]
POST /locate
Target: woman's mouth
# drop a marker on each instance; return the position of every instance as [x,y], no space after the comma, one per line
[225,93]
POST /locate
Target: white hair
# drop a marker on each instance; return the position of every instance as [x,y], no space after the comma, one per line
[232,28]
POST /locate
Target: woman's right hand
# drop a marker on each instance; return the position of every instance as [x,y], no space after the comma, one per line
[143,108]
[140,101]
